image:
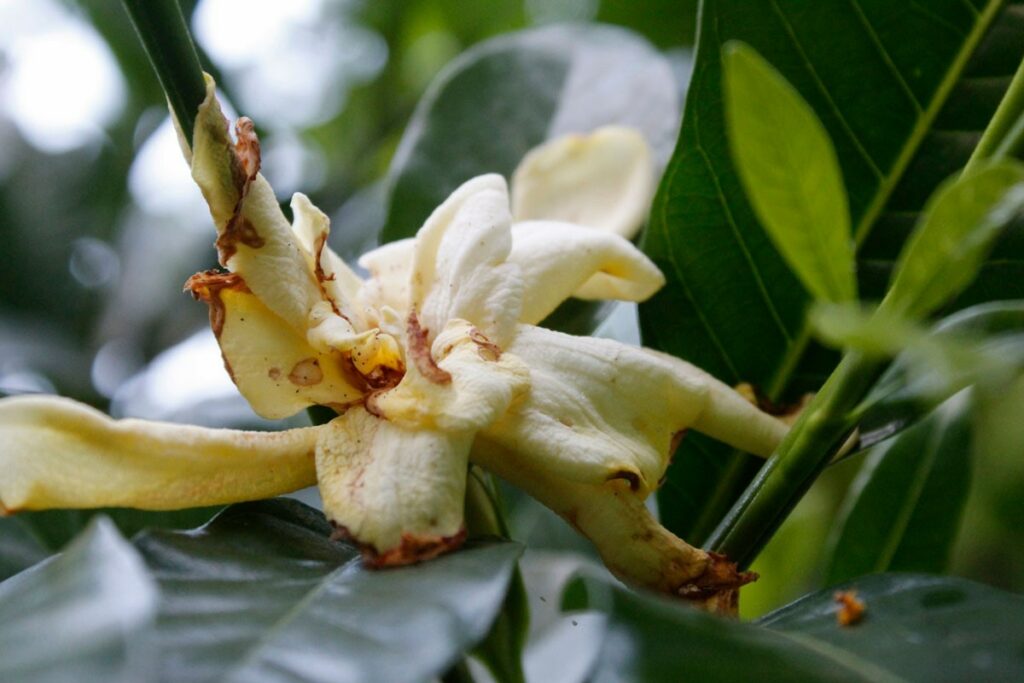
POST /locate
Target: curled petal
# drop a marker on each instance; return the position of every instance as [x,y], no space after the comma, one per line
[598,410]
[340,285]
[471,384]
[459,264]
[57,453]
[389,267]
[630,541]
[559,260]
[603,180]
[254,239]
[398,493]
[274,367]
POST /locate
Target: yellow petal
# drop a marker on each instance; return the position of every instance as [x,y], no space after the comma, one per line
[339,283]
[630,541]
[57,453]
[599,410]
[603,180]
[253,237]
[274,367]
[459,265]
[559,260]
[398,493]
[471,384]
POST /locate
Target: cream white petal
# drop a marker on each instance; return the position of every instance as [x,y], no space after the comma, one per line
[397,492]
[254,239]
[389,267]
[599,410]
[559,260]
[630,541]
[274,367]
[603,180]
[459,264]
[480,385]
[56,453]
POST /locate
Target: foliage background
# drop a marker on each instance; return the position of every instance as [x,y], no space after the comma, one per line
[100,229]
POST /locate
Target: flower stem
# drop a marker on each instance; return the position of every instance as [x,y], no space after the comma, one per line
[825,424]
[164,34]
[1004,135]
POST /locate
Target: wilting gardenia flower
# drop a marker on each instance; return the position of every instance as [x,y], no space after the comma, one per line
[433,362]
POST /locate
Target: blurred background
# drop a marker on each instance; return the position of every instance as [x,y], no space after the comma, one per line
[100,223]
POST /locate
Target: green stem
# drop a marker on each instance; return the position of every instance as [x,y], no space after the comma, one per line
[165,36]
[825,424]
[1004,135]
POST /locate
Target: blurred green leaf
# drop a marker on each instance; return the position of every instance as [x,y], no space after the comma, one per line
[19,547]
[903,511]
[955,233]
[916,627]
[262,594]
[500,99]
[914,385]
[790,173]
[84,616]
[55,528]
[904,91]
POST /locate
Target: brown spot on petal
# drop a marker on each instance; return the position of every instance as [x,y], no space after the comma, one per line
[413,548]
[274,373]
[487,349]
[419,351]
[632,478]
[851,608]
[306,373]
[208,286]
[247,147]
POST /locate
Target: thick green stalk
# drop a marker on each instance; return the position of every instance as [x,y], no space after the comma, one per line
[165,36]
[825,424]
[1004,135]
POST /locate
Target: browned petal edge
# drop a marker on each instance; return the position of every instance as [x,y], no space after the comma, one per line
[413,548]
[787,412]
[207,286]
[851,608]
[717,587]
[419,350]
[245,164]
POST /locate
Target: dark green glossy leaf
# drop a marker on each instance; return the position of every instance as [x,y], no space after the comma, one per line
[790,173]
[262,594]
[649,638]
[904,89]
[502,98]
[918,627]
[81,617]
[903,511]
[55,528]
[956,231]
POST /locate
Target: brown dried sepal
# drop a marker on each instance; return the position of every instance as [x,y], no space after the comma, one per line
[851,608]
[207,287]
[717,587]
[419,351]
[413,548]
[245,165]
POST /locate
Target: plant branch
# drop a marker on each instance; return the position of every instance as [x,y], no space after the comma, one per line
[1004,135]
[821,430]
[165,36]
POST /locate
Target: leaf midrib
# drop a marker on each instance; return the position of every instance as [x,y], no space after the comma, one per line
[889,181]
